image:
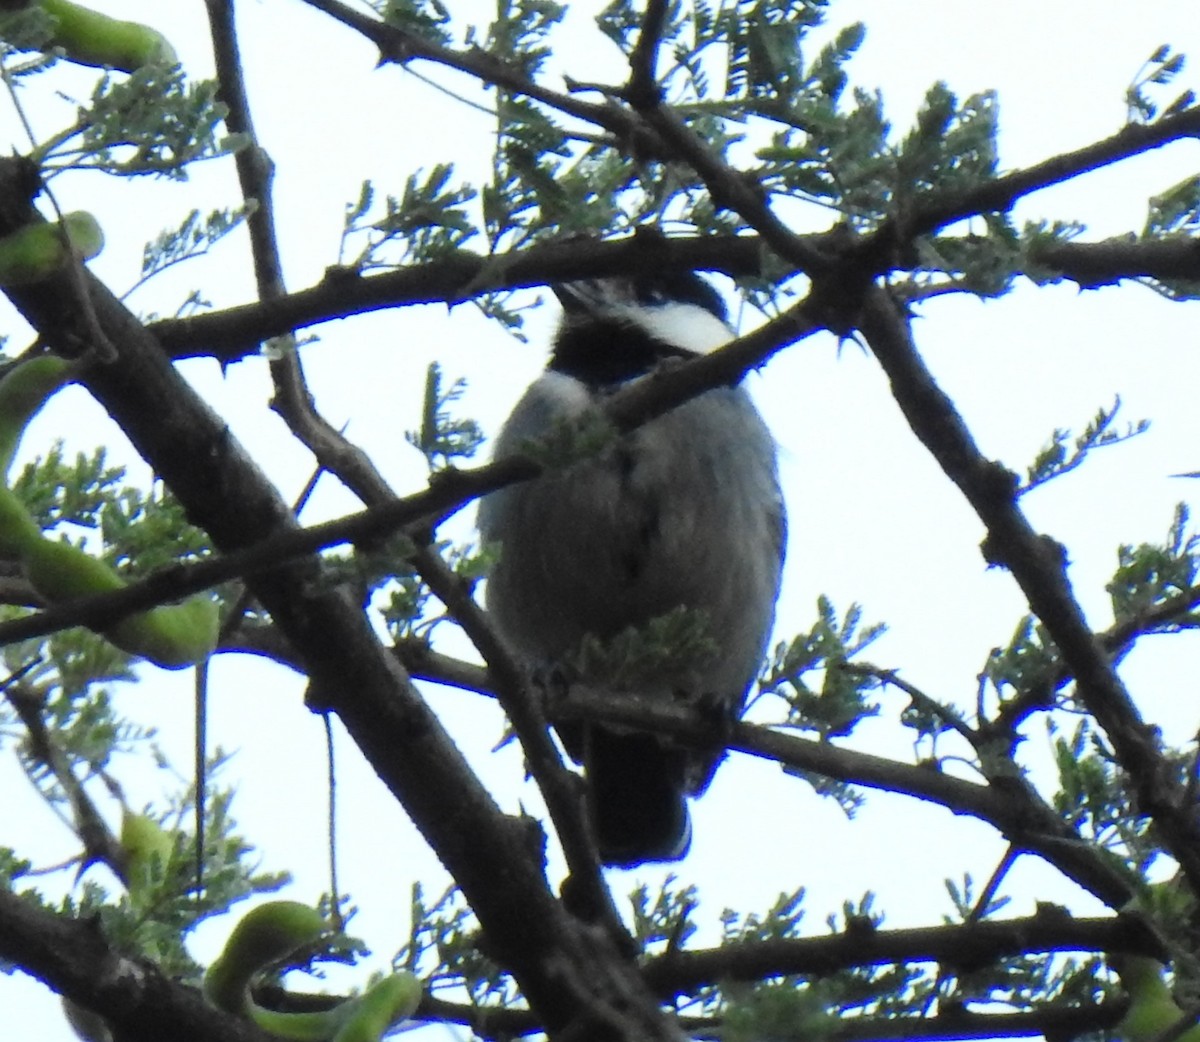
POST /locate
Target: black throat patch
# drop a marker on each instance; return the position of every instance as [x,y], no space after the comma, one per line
[600,344]
[600,352]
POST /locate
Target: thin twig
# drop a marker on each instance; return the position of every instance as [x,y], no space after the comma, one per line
[200,765]
[993,884]
[99,842]
[335,900]
[891,677]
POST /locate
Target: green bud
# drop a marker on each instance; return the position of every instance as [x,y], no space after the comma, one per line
[172,636]
[147,847]
[18,532]
[390,1000]
[23,391]
[37,250]
[88,37]
[1152,1008]
[263,936]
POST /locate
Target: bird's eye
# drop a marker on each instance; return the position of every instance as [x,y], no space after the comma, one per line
[649,293]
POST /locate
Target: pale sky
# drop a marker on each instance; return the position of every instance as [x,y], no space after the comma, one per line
[872,518]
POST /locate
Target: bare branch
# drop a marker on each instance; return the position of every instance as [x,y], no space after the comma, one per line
[292,399]
[1039,566]
[960,947]
[235,332]
[1105,263]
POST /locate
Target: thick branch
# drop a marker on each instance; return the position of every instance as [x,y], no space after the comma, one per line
[1095,264]
[73,958]
[285,544]
[958,948]
[1048,1022]
[235,332]
[643,90]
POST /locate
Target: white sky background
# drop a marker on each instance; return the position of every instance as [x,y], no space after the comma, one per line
[872,518]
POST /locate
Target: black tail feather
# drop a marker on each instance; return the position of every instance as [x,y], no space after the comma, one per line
[636,798]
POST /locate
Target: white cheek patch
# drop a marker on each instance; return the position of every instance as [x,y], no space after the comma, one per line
[682,325]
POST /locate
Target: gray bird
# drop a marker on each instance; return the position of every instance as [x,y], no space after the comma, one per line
[684,512]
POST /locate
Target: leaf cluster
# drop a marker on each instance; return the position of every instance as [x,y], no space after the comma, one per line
[193,238]
[426,222]
[1057,459]
[139,532]
[1159,70]
[842,701]
[425,19]
[407,606]
[444,950]
[645,656]
[442,437]
[1094,797]
[1151,574]
[153,122]
[154,918]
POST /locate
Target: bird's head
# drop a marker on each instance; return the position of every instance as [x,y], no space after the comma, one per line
[615,330]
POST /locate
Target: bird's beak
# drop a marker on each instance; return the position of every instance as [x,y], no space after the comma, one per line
[583,297]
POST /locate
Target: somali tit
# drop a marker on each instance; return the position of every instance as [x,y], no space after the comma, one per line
[685,511]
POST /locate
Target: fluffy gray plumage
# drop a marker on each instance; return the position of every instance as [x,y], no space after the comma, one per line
[684,511]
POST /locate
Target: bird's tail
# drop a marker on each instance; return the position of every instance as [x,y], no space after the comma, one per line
[636,798]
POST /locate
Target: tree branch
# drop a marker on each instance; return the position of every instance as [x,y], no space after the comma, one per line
[420,510]
[959,947]
[1047,1022]
[997,196]
[560,787]
[1014,810]
[99,843]
[643,90]
[1038,564]
[634,405]
[1118,640]
[570,974]
[292,400]
[396,45]
[233,333]
[1105,263]
[72,957]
